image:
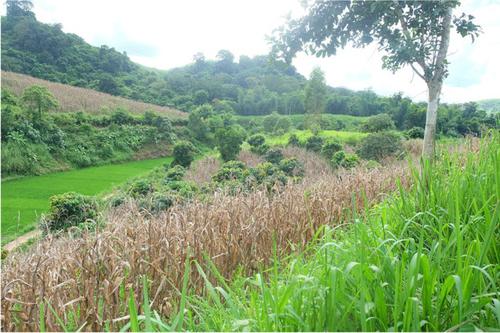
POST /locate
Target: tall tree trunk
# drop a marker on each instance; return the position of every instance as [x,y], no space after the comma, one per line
[434,85]
[431,120]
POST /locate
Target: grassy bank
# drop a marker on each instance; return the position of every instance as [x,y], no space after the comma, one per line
[23,200]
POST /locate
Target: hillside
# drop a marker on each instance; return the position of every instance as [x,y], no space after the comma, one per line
[490,105]
[247,86]
[73,99]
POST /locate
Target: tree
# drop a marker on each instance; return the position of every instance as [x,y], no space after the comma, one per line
[315,98]
[225,63]
[378,123]
[39,98]
[19,8]
[229,141]
[183,153]
[411,33]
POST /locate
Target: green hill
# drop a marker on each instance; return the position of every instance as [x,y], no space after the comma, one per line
[490,105]
[249,86]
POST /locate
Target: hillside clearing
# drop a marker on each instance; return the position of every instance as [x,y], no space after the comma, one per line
[74,99]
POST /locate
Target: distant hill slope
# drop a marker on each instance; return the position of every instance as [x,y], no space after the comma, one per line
[490,105]
[248,86]
[73,99]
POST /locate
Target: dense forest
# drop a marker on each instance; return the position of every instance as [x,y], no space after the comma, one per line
[250,86]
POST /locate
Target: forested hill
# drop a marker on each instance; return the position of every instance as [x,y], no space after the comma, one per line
[247,86]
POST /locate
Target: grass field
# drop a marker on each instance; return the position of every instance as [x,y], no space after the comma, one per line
[74,99]
[23,200]
[343,136]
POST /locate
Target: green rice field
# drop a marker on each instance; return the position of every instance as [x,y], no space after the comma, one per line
[24,199]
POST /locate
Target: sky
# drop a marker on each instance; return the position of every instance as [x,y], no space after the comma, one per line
[167,33]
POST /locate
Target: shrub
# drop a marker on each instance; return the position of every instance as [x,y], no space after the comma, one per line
[314,143]
[260,150]
[256,140]
[344,160]
[378,123]
[69,209]
[183,188]
[183,153]
[175,173]
[415,133]
[330,147]
[117,200]
[229,141]
[292,167]
[258,144]
[232,170]
[293,140]
[140,187]
[161,202]
[274,155]
[377,146]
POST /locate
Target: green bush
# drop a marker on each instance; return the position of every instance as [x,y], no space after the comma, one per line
[161,202]
[260,150]
[292,167]
[274,155]
[314,143]
[344,160]
[256,140]
[140,187]
[378,123]
[117,200]
[228,141]
[232,170]
[378,146]
[415,133]
[69,209]
[293,140]
[183,153]
[258,144]
[177,172]
[183,188]
[330,147]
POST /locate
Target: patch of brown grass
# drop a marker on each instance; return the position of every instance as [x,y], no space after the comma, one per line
[202,170]
[74,99]
[234,231]
[250,159]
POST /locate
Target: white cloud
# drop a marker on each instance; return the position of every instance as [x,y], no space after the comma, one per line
[166,34]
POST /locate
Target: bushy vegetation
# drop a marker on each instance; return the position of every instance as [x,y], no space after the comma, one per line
[68,210]
[378,146]
[183,153]
[35,141]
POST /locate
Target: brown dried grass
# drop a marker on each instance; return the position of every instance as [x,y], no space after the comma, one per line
[202,170]
[249,158]
[234,231]
[74,99]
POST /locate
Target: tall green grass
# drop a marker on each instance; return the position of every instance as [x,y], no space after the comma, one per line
[425,259]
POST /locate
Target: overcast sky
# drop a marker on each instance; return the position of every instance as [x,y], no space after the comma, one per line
[166,34]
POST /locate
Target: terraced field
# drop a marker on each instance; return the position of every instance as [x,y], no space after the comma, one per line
[24,199]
